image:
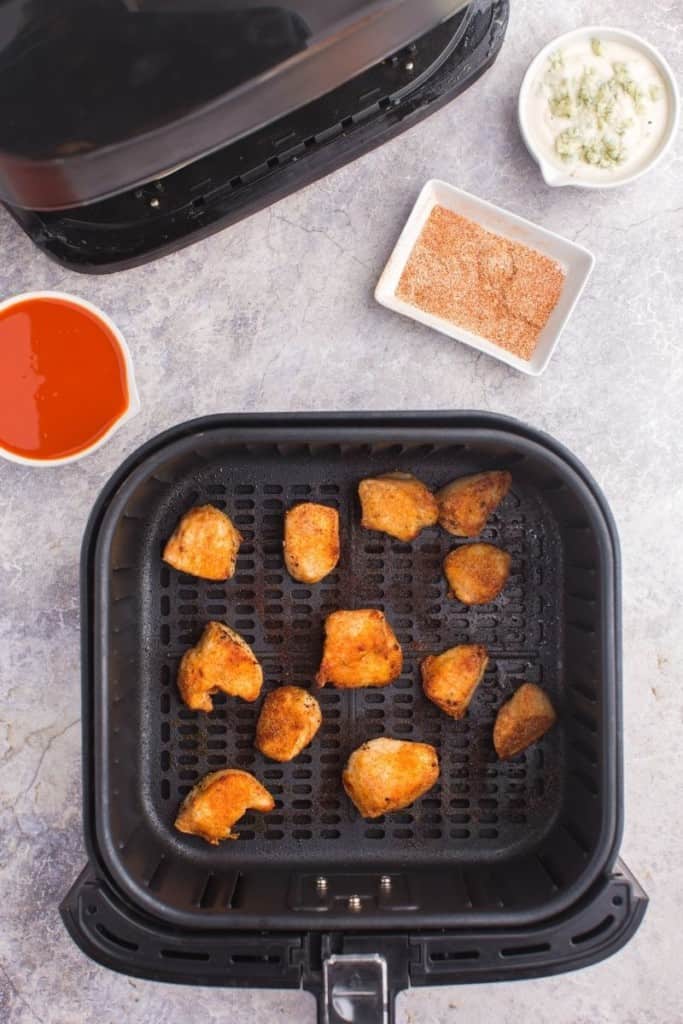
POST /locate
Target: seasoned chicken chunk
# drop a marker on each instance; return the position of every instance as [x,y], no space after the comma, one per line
[477,573]
[522,720]
[397,504]
[289,719]
[385,775]
[466,504]
[360,650]
[218,800]
[221,660]
[204,543]
[450,678]
[311,541]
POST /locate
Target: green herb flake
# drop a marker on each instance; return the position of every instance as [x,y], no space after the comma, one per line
[636,94]
[592,153]
[596,47]
[560,105]
[556,60]
[655,92]
[612,153]
[604,103]
[568,143]
[586,92]
[620,71]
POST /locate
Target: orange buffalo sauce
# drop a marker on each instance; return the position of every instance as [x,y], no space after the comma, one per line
[62,378]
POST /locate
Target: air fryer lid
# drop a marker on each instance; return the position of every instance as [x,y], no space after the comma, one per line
[100,95]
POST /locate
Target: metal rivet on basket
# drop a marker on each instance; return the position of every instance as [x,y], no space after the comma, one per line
[321,885]
[410,65]
[355,903]
[154,202]
[385,882]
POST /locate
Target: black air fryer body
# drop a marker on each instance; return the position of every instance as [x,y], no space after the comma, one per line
[128,128]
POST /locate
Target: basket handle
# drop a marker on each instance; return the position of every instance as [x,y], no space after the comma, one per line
[355,990]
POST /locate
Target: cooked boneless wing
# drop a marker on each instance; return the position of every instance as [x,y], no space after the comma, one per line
[218,800]
[221,661]
[466,504]
[386,775]
[360,649]
[449,679]
[398,504]
[204,543]
[522,720]
[289,719]
[477,573]
[311,543]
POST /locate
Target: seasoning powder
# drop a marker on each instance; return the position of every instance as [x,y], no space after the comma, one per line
[501,290]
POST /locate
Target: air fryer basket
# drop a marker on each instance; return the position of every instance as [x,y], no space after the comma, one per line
[494,843]
[502,871]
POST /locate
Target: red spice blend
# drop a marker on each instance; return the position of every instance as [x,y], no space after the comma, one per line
[501,290]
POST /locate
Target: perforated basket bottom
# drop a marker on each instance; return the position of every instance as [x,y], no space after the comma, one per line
[481,808]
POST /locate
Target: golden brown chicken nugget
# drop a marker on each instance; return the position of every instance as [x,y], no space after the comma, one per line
[221,660]
[477,573]
[289,719]
[311,542]
[522,720]
[450,679]
[398,504]
[218,800]
[204,543]
[385,775]
[466,504]
[360,649]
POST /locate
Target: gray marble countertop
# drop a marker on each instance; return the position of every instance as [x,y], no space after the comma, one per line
[277,313]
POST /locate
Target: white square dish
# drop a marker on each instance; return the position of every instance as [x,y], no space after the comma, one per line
[576,261]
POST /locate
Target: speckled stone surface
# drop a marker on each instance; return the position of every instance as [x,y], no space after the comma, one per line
[277,314]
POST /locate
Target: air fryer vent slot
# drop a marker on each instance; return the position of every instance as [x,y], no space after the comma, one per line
[185,954]
[453,955]
[537,950]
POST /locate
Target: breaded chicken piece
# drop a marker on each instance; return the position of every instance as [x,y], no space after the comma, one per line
[477,573]
[522,720]
[221,660]
[450,678]
[397,504]
[218,800]
[385,775]
[360,650]
[289,719]
[204,543]
[466,504]
[311,542]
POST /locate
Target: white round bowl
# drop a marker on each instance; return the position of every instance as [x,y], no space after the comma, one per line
[133,398]
[553,174]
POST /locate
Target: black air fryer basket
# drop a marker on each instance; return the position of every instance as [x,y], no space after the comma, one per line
[503,870]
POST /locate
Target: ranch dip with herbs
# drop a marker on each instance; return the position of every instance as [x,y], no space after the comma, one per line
[598,109]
